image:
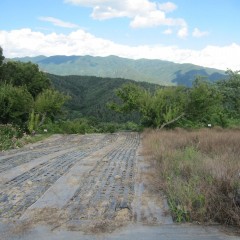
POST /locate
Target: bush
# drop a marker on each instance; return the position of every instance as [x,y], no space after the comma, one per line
[9,136]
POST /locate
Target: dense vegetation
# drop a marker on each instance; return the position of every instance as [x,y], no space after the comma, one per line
[27,99]
[90,95]
[205,104]
[153,71]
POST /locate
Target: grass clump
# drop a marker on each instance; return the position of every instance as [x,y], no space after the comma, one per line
[9,136]
[199,172]
[13,137]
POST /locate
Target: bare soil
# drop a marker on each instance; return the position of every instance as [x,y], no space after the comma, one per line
[92,183]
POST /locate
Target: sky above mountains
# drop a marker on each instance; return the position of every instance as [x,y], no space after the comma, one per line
[202,32]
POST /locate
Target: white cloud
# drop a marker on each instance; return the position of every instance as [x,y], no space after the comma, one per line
[197,33]
[79,42]
[168,31]
[167,7]
[183,32]
[58,22]
[87,3]
[143,13]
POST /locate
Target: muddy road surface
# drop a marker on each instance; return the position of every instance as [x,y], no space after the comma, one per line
[80,187]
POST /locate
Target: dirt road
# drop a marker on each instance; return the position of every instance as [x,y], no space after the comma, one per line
[78,184]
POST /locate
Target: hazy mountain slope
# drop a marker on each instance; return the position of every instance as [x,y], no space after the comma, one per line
[154,71]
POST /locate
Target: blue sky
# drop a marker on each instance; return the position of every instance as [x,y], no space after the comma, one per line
[203,32]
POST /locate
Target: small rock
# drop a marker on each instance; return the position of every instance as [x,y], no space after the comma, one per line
[117,177]
[29,182]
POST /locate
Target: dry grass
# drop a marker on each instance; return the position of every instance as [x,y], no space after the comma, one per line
[199,172]
[52,217]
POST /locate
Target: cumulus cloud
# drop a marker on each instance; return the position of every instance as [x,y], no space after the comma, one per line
[167,7]
[143,13]
[183,32]
[80,42]
[58,22]
[197,33]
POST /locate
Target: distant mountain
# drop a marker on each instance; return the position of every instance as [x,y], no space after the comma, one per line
[154,71]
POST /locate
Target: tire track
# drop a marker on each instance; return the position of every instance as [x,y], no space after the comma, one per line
[110,186]
[21,192]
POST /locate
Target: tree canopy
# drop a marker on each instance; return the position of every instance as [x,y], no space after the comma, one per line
[157,109]
[202,104]
[16,103]
[25,74]
[24,90]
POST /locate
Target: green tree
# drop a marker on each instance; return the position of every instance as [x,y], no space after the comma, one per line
[49,103]
[16,103]
[163,107]
[168,106]
[230,89]
[205,103]
[25,74]
[130,96]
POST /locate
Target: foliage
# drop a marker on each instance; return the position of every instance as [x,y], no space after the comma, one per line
[26,96]
[131,95]
[13,137]
[205,104]
[25,74]
[16,103]
[33,121]
[84,125]
[49,103]
[90,95]
[157,109]
[167,106]
[230,89]
[8,136]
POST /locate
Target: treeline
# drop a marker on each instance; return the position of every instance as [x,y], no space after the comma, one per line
[205,104]
[27,97]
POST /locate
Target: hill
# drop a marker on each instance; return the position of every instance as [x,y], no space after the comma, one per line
[91,94]
[153,71]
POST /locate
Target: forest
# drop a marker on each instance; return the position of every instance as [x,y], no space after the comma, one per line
[32,101]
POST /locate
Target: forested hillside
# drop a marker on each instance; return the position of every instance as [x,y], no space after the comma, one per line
[90,95]
[154,71]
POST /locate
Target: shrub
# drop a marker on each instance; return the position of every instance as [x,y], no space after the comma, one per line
[9,136]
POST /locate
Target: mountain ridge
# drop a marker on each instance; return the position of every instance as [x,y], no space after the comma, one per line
[148,70]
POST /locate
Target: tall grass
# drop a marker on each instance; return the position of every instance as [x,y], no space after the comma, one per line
[199,173]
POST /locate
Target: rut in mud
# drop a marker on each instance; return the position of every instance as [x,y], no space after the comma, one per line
[84,178]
